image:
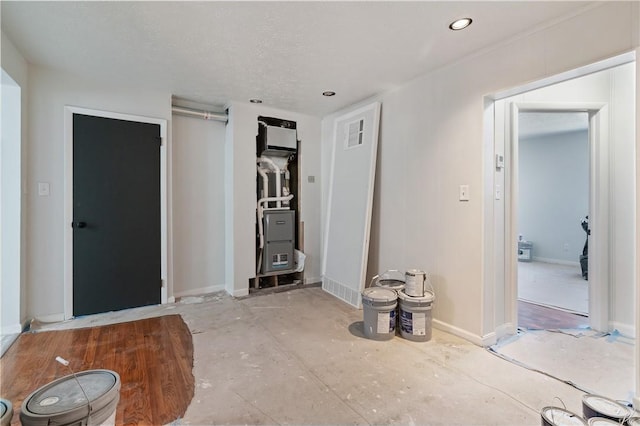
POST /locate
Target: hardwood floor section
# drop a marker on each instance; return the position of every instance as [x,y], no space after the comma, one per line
[154,358]
[538,317]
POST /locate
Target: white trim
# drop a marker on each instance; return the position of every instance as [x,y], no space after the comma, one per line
[200,291]
[68,197]
[10,329]
[555,261]
[59,317]
[568,75]
[507,329]
[312,280]
[375,107]
[464,334]
[636,399]
[598,206]
[627,330]
[241,292]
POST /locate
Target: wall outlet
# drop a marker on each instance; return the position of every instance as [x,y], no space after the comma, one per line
[43,189]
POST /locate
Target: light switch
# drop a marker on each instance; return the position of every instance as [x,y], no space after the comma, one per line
[43,189]
[311,179]
[464,192]
[498,192]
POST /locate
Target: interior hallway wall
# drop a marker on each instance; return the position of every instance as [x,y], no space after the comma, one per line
[49,92]
[240,192]
[432,141]
[14,64]
[198,205]
[553,194]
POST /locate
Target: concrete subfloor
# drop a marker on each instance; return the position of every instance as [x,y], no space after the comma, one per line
[596,362]
[300,357]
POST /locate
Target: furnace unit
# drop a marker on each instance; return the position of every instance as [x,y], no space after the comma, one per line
[277,196]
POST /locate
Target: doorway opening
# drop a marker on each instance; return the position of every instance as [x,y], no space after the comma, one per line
[605,94]
[126,141]
[553,210]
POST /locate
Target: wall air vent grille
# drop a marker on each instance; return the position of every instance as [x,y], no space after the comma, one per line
[342,292]
[355,133]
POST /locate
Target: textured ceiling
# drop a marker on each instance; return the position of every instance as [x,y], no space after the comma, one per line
[540,123]
[286,53]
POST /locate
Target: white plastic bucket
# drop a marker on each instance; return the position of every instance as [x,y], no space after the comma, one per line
[600,406]
[391,278]
[6,412]
[379,311]
[415,316]
[63,401]
[555,416]
[415,283]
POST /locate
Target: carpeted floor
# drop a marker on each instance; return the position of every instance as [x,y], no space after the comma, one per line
[553,285]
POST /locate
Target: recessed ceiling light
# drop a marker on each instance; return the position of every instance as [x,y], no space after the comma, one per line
[328,93]
[460,24]
[255,101]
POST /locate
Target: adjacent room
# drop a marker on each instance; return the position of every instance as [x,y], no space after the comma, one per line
[319,212]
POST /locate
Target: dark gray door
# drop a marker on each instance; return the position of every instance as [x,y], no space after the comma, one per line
[116,214]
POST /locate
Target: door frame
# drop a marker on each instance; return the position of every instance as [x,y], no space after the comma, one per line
[499,307]
[598,204]
[68,197]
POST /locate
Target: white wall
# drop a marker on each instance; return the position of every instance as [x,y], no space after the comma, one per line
[16,68]
[432,141]
[49,92]
[553,194]
[198,205]
[240,191]
[10,205]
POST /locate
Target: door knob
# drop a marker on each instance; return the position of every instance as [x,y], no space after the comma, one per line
[78,224]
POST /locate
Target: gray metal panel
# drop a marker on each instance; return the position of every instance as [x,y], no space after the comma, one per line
[281,138]
[277,256]
[279,225]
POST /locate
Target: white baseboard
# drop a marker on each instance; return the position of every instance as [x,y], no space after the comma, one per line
[507,329]
[489,339]
[627,330]
[556,261]
[199,291]
[171,299]
[51,318]
[241,292]
[11,329]
[473,338]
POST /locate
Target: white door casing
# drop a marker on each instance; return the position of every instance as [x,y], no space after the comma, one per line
[352,178]
[598,205]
